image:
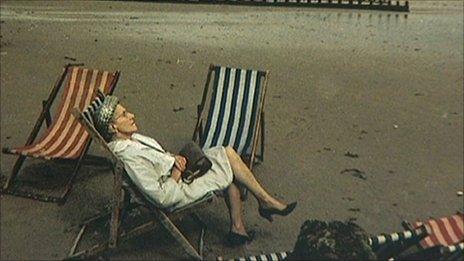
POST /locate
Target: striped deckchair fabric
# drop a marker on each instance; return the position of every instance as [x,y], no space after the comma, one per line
[236,101]
[66,138]
[278,256]
[446,231]
[380,240]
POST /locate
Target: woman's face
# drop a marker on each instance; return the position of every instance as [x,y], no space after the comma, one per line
[124,121]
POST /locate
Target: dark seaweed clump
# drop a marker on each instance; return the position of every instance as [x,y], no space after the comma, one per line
[334,240]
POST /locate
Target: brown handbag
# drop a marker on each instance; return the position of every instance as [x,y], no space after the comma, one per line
[197,162]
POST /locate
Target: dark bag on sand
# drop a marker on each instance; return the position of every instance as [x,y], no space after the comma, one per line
[197,162]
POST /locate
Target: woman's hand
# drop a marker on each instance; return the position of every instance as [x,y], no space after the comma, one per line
[176,174]
[180,163]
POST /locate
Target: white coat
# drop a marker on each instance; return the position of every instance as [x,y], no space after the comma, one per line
[149,167]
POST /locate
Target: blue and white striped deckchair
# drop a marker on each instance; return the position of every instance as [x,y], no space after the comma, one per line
[381,240]
[235,115]
[278,256]
[375,242]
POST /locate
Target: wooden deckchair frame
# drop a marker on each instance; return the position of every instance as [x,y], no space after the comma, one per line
[259,128]
[45,116]
[120,202]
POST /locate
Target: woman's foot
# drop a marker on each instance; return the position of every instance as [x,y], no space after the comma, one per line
[271,203]
[236,239]
[268,212]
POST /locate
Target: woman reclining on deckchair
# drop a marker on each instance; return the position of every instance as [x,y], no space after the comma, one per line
[158,173]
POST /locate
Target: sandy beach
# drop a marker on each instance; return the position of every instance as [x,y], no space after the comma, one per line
[384,86]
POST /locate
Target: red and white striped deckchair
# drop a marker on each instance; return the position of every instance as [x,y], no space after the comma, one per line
[445,235]
[446,231]
[64,137]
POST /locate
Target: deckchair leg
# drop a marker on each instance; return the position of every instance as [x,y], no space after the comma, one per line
[77,240]
[96,218]
[36,196]
[107,214]
[98,248]
[118,201]
[261,156]
[174,231]
[60,200]
[115,222]
[144,228]
[38,124]
[202,232]
[65,194]
[17,166]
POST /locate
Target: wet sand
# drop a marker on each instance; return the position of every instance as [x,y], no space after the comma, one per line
[384,86]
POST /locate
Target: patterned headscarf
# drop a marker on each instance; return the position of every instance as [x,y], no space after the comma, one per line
[104,116]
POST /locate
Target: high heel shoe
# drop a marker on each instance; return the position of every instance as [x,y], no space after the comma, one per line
[235,239]
[268,212]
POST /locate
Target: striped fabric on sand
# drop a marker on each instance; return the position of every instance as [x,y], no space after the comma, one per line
[236,99]
[66,138]
[444,231]
[268,257]
[380,240]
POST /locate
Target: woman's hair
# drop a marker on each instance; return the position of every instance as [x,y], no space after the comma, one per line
[104,116]
[334,240]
